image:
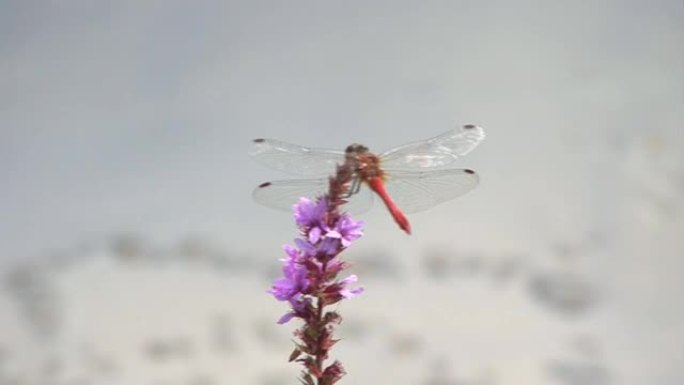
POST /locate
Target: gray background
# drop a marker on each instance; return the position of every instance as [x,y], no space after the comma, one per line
[132,253]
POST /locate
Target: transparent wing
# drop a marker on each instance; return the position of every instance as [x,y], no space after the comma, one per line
[437,153]
[283,194]
[294,159]
[417,191]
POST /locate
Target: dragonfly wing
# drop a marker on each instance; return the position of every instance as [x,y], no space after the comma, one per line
[440,152]
[294,159]
[414,191]
[283,194]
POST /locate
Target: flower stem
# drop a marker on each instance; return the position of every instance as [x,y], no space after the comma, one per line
[320,349]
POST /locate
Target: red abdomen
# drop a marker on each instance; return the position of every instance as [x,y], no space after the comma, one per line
[376,184]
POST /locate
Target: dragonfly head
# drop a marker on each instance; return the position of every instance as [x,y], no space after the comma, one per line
[356,149]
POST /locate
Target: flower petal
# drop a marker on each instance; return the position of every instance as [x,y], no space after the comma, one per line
[286,318]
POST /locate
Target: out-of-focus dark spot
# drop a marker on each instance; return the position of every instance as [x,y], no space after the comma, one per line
[442,264]
[404,344]
[169,348]
[202,379]
[129,247]
[222,335]
[377,264]
[505,269]
[564,292]
[579,373]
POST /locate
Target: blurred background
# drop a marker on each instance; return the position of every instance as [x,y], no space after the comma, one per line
[131,251]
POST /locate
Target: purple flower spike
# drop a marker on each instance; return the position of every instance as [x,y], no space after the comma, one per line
[309,282]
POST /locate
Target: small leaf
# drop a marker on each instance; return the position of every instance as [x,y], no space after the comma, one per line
[333,373]
[332,317]
[307,379]
[295,353]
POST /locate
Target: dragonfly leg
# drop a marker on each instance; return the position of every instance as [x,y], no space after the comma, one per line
[354,188]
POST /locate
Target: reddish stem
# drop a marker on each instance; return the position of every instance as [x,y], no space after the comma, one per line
[321,351]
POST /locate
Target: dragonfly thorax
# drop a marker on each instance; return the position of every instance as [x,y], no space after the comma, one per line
[366,165]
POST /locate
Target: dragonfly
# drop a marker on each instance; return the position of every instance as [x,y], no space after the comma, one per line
[409,178]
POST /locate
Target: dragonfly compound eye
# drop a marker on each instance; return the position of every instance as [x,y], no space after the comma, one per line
[356,149]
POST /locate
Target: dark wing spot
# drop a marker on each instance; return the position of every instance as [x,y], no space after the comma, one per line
[468,171]
[469,126]
[265,184]
[260,140]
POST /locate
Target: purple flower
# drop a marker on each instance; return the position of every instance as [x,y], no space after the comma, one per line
[306,247]
[338,291]
[309,214]
[346,230]
[295,277]
[299,304]
[286,318]
[350,293]
[315,235]
[329,246]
